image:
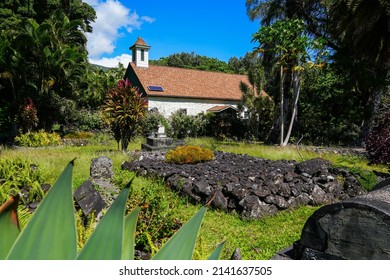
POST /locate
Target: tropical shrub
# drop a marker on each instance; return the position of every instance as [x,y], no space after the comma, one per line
[38,139]
[112,239]
[183,125]
[150,123]
[124,108]
[17,175]
[87,120]
[223,126]
[28,115]
[189,155]
[378,141]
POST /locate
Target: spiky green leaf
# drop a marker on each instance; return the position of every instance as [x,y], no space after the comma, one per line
[51,232]
[217,252]
[129,235]
[181,245]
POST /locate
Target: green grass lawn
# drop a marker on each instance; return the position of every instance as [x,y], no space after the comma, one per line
[256,239]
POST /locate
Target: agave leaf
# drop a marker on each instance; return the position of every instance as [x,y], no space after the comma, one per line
[217,252]
[129,235]
[105,243]
[51,232]
[9,225]
[181,245]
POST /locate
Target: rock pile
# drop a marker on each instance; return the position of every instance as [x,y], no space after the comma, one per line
[253,187]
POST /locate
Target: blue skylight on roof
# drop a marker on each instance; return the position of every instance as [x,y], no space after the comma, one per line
[155,88]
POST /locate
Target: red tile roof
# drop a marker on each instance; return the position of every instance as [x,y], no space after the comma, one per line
[188,83]
[140,42]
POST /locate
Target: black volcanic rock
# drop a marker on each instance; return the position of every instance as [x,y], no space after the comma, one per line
[254,187]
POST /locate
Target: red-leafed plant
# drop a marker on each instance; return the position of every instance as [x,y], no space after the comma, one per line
[28,115]
[123,108]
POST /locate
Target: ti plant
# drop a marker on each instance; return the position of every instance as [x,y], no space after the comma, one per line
[51,232]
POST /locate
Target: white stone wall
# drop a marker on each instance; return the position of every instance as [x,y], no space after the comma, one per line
[138,61]
[167,106]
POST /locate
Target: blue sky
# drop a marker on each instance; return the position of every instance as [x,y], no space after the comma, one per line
[214,28]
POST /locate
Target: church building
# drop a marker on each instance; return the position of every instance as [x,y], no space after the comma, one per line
[170,89]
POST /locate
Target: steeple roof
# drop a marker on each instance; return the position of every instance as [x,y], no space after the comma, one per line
[140,43]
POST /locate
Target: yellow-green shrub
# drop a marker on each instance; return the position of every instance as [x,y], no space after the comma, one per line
[38,139]
[189,154]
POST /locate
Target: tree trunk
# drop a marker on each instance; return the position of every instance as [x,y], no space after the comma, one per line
[281,90]
[296,89]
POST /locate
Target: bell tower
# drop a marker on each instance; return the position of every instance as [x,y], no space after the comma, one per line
[140,53]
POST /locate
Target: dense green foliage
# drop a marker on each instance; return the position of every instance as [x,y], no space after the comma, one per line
[38,139]
[20,174]
[356,36]
[378,141]
[259,106]
[182,125]
[193,61]
[45,78]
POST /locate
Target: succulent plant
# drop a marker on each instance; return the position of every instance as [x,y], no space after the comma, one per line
[51,232]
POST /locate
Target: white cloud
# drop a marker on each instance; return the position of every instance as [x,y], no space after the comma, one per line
[113,20]
[112,62]
[148,19]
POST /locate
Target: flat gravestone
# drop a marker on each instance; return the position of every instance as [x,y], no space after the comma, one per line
[354,229]
[89,199]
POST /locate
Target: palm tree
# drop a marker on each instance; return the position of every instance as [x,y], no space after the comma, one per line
[365,26]
[363,30]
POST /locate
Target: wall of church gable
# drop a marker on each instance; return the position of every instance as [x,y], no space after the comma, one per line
[167,106]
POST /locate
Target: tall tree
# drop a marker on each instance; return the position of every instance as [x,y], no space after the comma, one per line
[287,41]
[362,28]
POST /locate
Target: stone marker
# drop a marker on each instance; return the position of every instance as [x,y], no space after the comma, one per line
[354,229]
[101,167]
[89,199]
[159,141]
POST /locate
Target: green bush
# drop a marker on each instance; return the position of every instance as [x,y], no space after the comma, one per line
[189,155]
[87,120]
[150,123]
[18,174]
[183,125]
[38,139]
